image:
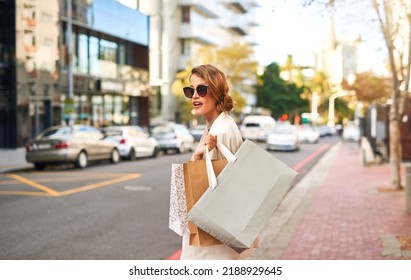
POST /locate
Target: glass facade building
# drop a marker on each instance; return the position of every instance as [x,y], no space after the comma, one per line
[98,75]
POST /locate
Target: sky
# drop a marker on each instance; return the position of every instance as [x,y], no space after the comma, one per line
[288,28]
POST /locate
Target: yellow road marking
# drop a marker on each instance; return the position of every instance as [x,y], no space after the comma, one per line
[24,193]
[34,184]
[50,192]
[101,184]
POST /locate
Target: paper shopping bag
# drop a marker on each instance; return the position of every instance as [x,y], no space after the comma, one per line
[196,183]
[247,193]
[177,220]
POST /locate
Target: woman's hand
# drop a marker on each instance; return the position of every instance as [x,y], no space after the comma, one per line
[211,141]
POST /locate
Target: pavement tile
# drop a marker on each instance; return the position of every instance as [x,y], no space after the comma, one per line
[345,220]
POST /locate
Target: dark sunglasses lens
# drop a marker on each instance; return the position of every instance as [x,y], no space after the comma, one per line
[202,90]
[188,91]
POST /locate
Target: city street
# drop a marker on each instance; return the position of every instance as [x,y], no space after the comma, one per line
[102,212]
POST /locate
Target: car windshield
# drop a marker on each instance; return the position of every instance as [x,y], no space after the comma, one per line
[158,130]
[113,132]
[252,125]
[55,133]
[283,130]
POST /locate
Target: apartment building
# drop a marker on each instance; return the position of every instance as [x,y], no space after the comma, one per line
[179,28]
[99,75]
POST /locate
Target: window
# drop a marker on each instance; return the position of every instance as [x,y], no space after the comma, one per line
[185,12]
[108,51]
[94,62]
[83,54]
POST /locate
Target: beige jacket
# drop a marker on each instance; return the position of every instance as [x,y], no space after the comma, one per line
[229,135]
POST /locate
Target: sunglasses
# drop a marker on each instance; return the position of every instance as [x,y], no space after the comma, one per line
[201,90]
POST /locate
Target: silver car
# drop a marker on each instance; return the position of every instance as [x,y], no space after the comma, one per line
[173,136]
[132,141]
[76,144]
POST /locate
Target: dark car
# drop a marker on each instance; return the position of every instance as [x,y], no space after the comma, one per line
[76,144]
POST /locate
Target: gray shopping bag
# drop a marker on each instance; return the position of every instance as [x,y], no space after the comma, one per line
[248,191]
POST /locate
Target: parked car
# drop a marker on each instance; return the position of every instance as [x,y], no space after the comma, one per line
[283,137]
[351,132]
[197,131]
[308,134]
[76,144]
[173,136]
[325,130]
[256,127]
[132,141]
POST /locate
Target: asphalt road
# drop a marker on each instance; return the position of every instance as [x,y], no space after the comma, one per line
[103,212]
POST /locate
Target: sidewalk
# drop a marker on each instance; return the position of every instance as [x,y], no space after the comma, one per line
[12,159]
[340,210]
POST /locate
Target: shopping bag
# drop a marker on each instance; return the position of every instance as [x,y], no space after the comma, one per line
[248,191]
[178,207]
[196,183]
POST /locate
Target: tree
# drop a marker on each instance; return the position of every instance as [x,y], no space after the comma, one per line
[394,22]
[393,16]
[277,95]
[369,88]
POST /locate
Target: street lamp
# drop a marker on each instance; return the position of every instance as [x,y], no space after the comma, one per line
[331,104]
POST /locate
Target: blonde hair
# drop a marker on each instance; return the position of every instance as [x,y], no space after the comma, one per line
[217,86]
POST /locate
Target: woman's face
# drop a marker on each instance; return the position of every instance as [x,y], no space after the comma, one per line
[204,106]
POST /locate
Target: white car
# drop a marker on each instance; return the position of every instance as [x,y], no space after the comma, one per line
[308,134]
[198,131]
[256,127]
[132,141]
[283,137]
[173,136]
[351,132]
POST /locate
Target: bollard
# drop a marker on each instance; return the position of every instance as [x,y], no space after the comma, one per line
[408,188]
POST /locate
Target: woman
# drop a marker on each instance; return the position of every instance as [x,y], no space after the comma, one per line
[208,91]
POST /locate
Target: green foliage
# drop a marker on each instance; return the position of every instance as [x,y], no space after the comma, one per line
[279,96]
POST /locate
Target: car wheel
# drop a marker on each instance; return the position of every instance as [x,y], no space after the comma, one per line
[181,149]
[132,154]
[39,166]
[115,156]
[155,152]
[82,160]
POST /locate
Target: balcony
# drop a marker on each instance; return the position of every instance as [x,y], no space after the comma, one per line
[237,24]
[188,31]
[239,6]
[30,50]
[29,4]
[29,23]
[207,8]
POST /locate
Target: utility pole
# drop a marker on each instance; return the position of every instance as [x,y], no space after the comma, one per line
[68,104]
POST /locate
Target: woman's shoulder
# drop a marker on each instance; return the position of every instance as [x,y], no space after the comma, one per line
[228,120]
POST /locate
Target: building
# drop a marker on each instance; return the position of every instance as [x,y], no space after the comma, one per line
[179,28]
[338,58]
[99,75]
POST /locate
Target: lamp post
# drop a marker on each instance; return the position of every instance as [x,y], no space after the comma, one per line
[331,105]
[314,108]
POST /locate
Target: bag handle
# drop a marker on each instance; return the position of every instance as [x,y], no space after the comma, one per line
[212,179]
